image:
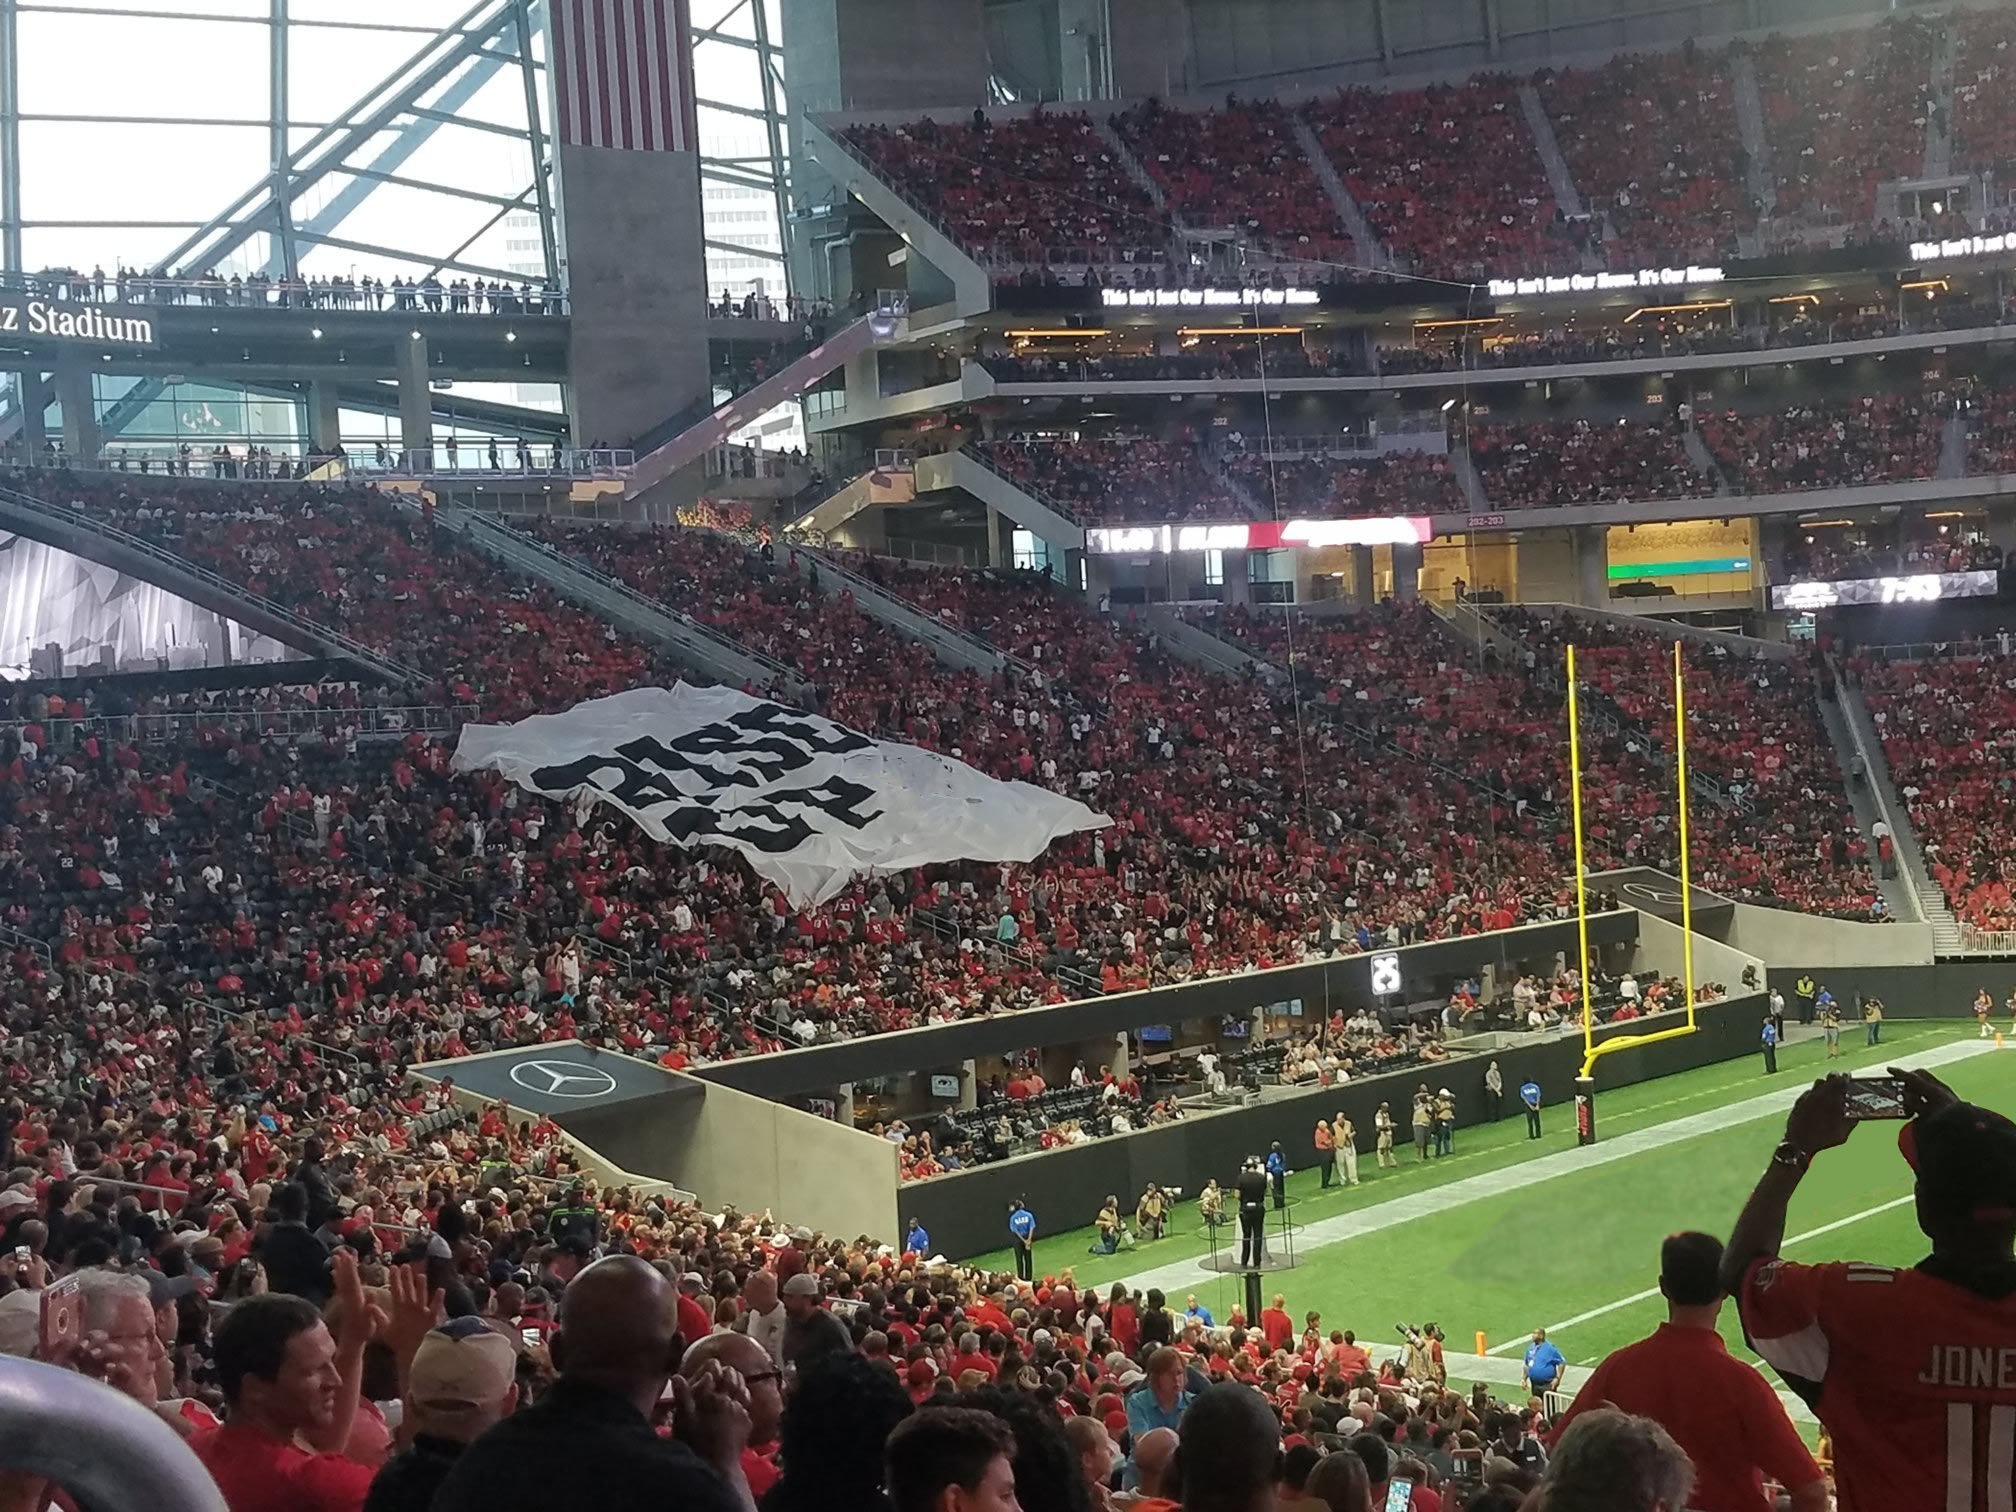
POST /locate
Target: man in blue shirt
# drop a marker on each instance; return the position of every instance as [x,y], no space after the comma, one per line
[1544,1363]
[1160,1402]
[1022,1229]
[1529,1094]
[1195,1309]
[1277,1176]
[1769,1040]
[917,1241]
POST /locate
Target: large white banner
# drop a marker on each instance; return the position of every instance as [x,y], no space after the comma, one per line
[811,803]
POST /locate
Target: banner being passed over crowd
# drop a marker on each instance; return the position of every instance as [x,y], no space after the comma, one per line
[811,803]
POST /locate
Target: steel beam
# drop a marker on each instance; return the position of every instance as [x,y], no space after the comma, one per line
[374,111]
[282,260]
[742,251]
[449,118]
[10,137]
[521,20]
[446,264]
[773,127]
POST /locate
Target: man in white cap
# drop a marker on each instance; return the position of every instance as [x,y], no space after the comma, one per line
[464,1378]
[810,1331]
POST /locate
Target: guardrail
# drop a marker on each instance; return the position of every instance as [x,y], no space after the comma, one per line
[642,601]
[1055,506]
[941,625]
[371,723]
[84,520]
[1995,941]
[491,461]
[367,296]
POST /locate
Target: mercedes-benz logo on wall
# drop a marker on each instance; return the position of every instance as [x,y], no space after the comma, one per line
[560,1078]
[1654,895]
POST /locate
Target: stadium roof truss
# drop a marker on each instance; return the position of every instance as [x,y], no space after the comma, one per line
[320,174]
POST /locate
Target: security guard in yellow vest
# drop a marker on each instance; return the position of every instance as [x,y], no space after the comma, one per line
[1805,990]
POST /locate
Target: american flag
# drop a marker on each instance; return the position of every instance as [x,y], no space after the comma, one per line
[623,74]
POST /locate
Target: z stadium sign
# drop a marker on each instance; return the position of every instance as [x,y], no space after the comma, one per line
[67,320]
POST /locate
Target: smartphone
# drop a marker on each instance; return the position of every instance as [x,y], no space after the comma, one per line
[62,1316]
[22,1254]
[1399,1495]
[531,1336]
[1875,1097]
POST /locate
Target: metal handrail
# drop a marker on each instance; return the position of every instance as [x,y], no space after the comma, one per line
[1055,506]
[71,285]
[98,1444]
[642,601]
[64,514]
[168,723]
[1999,941]
[567,462]
[958,632]
[14,939]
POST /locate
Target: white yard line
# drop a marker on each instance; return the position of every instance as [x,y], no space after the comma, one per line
[1187,1275]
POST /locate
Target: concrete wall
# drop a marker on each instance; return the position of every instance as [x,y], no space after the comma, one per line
[730,1147]
[1780,937]
[1945,990]
[1661,949]
[637,285]
[964,1211]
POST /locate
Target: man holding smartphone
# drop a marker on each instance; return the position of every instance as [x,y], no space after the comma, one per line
[1912,1371]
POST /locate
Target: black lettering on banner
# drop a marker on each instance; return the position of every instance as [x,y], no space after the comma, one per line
[767,825]
[677,788]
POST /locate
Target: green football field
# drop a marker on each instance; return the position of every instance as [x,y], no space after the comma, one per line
[1487,1240]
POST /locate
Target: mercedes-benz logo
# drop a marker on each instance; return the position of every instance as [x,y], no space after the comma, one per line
[559,1078]
[1651,894]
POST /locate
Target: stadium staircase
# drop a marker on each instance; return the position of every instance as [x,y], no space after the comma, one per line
[1911,865]
[825,513]
[1051,520]
[674,444]
[1102,125]
[99,541]
[950,644]
[1758,179]
[972,288]
[1203,650]
[1467,479]
[1559,179]
[1938,162]
[1871,802]
[1953,448]
[704,649]
[1255,506]
[1371,250]
[1703,460]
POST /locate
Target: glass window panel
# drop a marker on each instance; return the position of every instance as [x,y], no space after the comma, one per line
[725,72]
[143,67]
[254,8]
[139,173]
[429,13]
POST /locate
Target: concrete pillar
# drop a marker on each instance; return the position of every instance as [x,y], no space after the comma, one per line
[1120,1060]
[324,414]
[1361,575]
[969,1087]
[843,1104]
[34,430]
[999,551]
[416,398]
[1592,563]
[1406,573]
[1238,587]
[80,413]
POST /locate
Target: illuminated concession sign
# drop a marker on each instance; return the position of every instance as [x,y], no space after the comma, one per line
[69,320]
[1915,588]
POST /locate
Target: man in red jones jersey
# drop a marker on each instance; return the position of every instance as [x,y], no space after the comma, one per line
[1899,1364]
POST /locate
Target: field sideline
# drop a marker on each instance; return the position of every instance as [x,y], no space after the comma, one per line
[1570,1246]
